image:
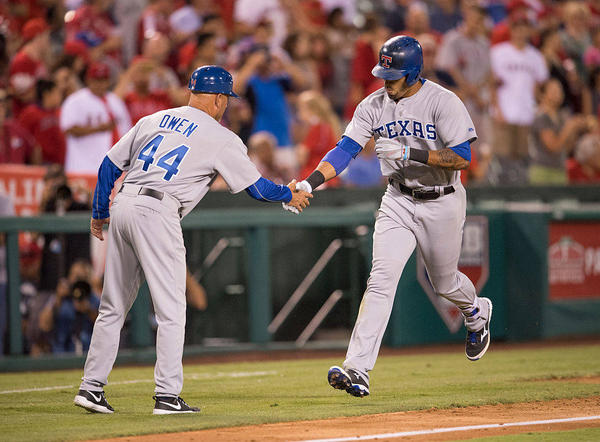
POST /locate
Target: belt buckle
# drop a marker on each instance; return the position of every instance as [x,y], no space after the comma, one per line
[425,195]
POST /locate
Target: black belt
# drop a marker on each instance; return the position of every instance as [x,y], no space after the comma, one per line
[422,194]
[149,192]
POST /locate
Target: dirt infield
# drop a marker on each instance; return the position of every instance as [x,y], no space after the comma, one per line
[410,421]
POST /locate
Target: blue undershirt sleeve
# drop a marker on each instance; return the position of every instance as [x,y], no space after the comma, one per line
[463,150]
[107,175]
[339,157]
[266,190]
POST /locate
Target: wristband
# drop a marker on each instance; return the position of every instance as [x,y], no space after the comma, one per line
[419,155]
[315,179]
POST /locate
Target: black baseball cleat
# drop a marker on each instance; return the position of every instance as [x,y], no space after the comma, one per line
[354,382]
[172,405]
[93,401]
[477,342]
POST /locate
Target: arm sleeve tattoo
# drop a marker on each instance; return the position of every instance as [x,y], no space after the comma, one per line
[447,159]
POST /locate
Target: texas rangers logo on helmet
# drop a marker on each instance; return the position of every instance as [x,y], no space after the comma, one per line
[192,83]
[385,61]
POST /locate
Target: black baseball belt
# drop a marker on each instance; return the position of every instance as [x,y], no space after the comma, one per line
[149,192]
[157,194]
[423,193]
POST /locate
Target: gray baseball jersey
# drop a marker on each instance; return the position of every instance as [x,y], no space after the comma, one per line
[179,151]
[432,119]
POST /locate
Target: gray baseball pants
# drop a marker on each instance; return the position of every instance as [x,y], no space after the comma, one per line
[144,239]
[402,223]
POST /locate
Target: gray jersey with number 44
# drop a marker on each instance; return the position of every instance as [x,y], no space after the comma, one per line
[180,151]
[432,119]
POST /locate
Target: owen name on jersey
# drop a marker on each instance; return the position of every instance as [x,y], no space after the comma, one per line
[406,128]
[178,124]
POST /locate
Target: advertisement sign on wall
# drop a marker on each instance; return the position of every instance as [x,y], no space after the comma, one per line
[574,260]
[25,185]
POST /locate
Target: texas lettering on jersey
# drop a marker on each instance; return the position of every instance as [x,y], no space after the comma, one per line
[406,128]
[434,118]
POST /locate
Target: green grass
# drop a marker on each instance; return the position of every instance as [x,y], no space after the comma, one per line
[293,390]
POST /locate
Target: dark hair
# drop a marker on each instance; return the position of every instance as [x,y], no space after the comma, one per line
[43,87]
[545,36]
[289,44]
[335,12]
[64,193]
[203,38]
[593,75]
[210,17]
[64,61]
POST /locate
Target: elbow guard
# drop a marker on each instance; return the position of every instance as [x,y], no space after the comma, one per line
[463,150]
[339,157]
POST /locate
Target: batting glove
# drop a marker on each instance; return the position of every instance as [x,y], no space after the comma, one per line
[304,186]
[393,152]
[290,208]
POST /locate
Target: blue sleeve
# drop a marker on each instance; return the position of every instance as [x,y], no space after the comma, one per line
[463,150]
[267,190]
[107,175]
[339,157]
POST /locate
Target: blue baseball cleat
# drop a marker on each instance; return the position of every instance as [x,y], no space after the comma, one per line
[477,342]
[354,382]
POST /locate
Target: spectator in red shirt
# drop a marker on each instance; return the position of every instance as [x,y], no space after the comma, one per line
[585,167]
[16,145]
[42,121]
[28,65]
[93,25]
[314,110]
[141,101]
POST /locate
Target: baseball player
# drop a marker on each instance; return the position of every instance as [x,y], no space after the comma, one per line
[422,137]
[171,157]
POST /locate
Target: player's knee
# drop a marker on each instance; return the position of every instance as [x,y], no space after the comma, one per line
[383,281]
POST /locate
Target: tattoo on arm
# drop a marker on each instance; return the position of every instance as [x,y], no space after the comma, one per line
[447,159]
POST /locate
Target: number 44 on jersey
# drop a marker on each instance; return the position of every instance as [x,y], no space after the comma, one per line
[149,150]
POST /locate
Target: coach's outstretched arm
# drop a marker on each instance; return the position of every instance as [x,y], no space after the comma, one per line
[266,190]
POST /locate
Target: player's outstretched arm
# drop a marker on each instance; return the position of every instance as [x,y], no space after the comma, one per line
[332,164]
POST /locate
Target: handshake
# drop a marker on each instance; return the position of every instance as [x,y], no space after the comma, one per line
[301,192]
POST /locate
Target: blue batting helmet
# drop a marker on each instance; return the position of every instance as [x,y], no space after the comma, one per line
[399,57]
[212,80]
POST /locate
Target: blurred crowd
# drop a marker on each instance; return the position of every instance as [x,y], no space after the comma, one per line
[75,75]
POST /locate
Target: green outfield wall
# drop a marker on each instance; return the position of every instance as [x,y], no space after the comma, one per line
[538,263]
